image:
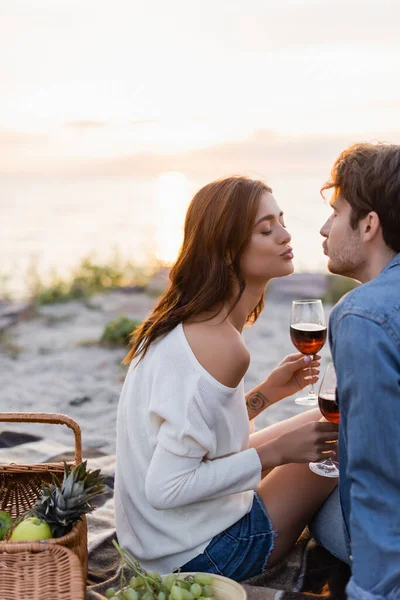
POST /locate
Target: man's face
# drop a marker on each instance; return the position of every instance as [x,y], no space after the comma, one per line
[342,244]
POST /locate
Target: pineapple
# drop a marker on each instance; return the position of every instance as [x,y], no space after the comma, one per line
[61,505]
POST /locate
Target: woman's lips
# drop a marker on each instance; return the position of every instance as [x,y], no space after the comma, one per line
[288,254]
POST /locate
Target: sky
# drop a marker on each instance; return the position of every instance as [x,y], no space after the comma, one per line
[143,87]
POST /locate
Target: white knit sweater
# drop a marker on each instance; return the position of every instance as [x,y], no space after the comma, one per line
[184,470]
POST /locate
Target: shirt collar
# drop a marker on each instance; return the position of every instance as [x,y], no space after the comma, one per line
[393,262]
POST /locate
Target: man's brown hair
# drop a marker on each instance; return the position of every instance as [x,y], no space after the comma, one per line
[367,176]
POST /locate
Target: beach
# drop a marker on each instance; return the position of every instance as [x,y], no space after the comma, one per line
[51,361]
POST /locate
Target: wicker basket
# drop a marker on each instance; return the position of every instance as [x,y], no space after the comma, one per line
[20,484]
[37,571]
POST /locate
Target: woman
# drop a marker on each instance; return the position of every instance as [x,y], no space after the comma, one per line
[195,489]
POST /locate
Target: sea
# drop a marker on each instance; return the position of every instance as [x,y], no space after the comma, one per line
[50,223]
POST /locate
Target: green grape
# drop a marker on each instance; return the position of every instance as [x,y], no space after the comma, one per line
[129,594]
[183,584]
[162,596]
[170,580]
[136,582]
[154,575]
[207,590]
[147,596]
[110,592]
[203,578]
[176,593]
[195,590]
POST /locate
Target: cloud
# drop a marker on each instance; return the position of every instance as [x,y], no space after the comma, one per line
[144,122]
[15,140]
[92,124]
[86,124]
[263,154]
[266,26]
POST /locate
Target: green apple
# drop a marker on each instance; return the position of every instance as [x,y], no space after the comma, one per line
[5,523]
[31,529]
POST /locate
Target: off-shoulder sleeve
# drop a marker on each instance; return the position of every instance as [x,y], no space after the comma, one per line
[180,470]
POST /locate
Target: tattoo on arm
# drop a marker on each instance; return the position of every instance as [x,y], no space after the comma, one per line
[256,402]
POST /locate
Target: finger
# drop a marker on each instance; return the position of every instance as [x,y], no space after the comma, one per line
[314,363]
[324,455]
[327,437]
[302,363]
[326,452]
[326,426]
[313,372]
[310,359]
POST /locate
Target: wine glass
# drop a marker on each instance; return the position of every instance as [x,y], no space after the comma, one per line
[308,334]
[330,410]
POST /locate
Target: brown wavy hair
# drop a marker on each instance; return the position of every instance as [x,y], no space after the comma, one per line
[218,227]
[367,176]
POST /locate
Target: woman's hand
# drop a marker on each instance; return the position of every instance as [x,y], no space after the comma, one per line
[309,442]
[292,374]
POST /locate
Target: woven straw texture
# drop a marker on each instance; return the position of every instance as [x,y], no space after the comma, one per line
[20,484]
[39,572]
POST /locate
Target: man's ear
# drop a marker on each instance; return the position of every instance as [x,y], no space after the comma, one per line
[370,226]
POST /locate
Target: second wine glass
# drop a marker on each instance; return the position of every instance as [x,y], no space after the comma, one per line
[330,410]
[308,334]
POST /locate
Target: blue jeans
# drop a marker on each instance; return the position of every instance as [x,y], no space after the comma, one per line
[327,527]
[242,550]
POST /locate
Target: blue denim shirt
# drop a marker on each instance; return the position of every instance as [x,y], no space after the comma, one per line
[364,335]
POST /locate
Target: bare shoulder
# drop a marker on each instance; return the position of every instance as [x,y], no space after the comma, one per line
[220,349]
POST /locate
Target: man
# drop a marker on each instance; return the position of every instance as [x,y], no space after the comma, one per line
[362,241]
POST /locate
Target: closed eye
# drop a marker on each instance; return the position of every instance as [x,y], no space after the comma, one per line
[266,232]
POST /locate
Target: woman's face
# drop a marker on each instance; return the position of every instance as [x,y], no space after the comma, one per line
[268,254]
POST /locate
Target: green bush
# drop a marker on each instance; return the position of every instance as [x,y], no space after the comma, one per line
[118,331]
[337,286]
[87,279]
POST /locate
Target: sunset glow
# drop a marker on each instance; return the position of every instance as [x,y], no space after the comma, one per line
[172,201]
[172,95]
[90,79]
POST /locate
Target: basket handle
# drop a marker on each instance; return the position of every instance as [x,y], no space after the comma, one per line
[16,547]
[51,418]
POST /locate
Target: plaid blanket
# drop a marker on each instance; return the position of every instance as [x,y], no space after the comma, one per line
[307,571]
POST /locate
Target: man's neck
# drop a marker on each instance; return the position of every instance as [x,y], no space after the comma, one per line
[375,265]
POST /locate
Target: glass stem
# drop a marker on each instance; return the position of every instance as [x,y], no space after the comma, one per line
[312,393]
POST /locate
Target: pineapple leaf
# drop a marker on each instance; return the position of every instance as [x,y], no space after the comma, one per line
[62,504]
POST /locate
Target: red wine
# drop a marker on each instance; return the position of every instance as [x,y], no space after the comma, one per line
[308,337]
[328,407]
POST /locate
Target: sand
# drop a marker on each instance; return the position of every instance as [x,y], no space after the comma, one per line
[52,362]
